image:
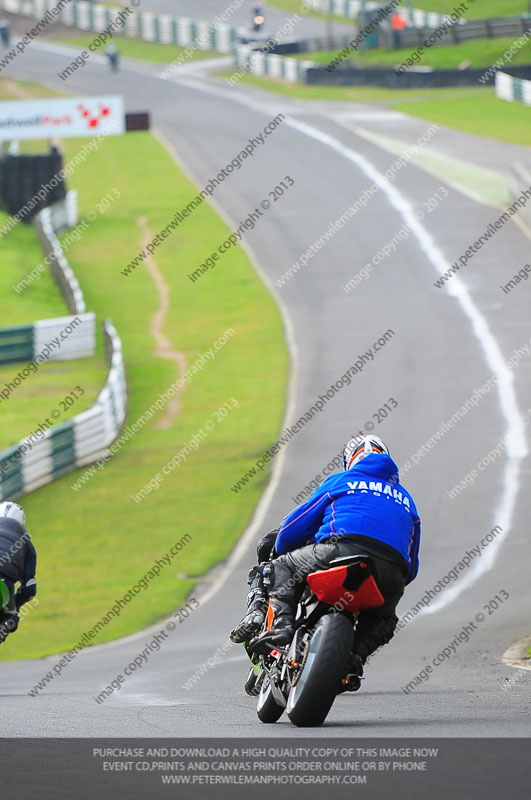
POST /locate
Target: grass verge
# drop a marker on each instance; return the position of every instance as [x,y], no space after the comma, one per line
[483,9]
[473,110]
[483,114]
[344,93]
[482,53]
[96,543]
[480,10]
[136,48]
[20,90]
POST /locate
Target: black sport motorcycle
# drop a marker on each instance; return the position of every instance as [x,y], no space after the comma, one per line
[305,677]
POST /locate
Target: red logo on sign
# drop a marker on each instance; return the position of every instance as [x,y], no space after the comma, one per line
[93,120]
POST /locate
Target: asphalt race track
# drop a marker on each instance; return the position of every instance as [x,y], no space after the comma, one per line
[445,344]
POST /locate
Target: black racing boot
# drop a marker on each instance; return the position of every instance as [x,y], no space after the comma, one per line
[281,632]
[249,626]
[254,619]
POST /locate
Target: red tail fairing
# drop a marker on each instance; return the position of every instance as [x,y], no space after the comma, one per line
[336,587]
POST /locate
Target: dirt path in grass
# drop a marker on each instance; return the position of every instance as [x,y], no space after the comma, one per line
[163,347]
[16,90]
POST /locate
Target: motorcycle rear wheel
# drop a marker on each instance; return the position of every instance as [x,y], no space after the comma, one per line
[312,696]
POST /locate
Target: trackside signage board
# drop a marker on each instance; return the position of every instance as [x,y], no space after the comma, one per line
[68,118]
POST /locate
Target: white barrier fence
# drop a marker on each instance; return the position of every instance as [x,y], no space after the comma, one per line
[146,25]
[98,427]
[46,223]
[415,17]
[513,89]
[253,62]
[61,339]
[76,336]
[50,452]
[64,213]
[44,456]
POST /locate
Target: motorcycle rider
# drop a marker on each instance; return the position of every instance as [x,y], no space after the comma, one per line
[18,562]
[113,54]
[257,19]
[361,511]
[5,34]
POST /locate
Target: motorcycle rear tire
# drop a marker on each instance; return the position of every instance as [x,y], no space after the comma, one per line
[311,698]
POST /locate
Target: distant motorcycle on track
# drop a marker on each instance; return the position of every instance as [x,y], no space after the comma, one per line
[257,19]
[113,54]
[305,677]
[5,34]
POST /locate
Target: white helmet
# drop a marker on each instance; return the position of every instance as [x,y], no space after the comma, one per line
[13,511]
[357,448]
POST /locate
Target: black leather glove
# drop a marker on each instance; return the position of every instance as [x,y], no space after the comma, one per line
[25,593]
[256,609]
[8,624]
